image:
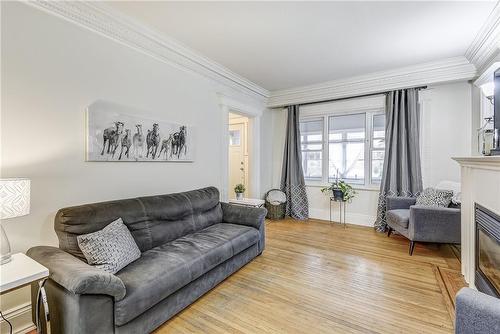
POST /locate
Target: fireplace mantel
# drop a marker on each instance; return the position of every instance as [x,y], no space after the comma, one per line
[480,179]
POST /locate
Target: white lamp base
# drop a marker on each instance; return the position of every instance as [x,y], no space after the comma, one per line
[5,251]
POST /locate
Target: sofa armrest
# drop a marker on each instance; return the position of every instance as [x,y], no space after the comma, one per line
[476,312]
[396,202]
[434,224]
[75,275]
[243,215]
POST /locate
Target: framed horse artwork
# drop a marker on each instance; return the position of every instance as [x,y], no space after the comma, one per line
[117,133]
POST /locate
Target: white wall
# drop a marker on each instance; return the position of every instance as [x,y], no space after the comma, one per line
[51,71]
[446,130]
[446,133]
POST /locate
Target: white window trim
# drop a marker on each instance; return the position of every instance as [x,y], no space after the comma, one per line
[369,113]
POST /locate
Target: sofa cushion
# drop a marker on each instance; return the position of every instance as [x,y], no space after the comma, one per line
[400,217]
[164,269]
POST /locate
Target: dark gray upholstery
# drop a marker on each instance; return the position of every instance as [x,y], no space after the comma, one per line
[167,268]
[423,223]
[189,242]
[400,217]
[75,275]
[476,313]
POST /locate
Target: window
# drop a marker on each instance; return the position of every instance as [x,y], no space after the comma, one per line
[311,144]
[346,145]
[352,149]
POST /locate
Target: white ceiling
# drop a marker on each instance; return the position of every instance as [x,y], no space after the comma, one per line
[281,45]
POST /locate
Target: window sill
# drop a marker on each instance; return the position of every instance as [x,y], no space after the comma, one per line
[362,187]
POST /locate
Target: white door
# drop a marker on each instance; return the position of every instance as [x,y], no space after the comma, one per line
[237,157]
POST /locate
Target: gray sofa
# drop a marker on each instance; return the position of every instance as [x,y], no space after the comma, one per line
[422,223]
[476,313]
[189,243]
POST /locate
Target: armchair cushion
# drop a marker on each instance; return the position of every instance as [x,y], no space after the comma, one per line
[75,275]
[400,217]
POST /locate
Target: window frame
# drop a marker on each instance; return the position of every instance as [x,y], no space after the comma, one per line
[368,149]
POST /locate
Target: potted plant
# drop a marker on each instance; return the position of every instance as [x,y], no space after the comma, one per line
[239,190]
[339,190]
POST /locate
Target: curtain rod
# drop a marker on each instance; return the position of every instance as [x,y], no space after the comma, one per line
[352,97]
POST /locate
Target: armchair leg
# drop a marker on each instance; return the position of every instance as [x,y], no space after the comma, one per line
[412,246]
[389,231]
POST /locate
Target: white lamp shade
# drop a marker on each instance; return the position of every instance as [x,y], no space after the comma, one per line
[14,197]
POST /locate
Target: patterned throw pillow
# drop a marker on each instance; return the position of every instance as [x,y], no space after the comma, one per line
[111,248]
[435,197]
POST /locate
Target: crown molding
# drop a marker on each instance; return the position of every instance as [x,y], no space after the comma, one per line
[108,22]
[447,70]
[485,45]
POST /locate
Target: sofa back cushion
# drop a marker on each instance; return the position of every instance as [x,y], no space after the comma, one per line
[152,220]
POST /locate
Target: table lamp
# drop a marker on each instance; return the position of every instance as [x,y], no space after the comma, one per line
[14,202]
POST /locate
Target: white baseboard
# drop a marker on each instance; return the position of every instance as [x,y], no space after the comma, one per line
[350,218]
[20,318]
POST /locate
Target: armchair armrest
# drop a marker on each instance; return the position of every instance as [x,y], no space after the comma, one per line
[242,215]
[476,312]
[75,275]
[434,224]
[397,202]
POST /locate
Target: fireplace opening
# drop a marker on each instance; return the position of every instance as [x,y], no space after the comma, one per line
[487,251]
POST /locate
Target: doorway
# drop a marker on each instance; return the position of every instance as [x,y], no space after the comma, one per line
[238,162]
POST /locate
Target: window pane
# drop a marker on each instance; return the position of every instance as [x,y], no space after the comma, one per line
[311,137]
[379,126]
[377,165]
[335,136]
[311,130]
[234,137]
[378,143]
[348,159]
[347,126]
[308,147]
[311,164]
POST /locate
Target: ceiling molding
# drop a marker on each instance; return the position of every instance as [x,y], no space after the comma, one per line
[447,70]
[108,22]
[485,45]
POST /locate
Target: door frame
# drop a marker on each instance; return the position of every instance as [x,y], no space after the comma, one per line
[254,114]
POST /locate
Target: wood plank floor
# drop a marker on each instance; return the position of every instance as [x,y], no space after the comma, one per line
[318,277]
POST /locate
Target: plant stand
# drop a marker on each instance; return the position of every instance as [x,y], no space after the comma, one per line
[342,209]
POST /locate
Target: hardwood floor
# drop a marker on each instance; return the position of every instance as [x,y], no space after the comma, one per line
[317,277]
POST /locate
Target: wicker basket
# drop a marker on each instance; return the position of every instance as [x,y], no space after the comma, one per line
[275,211]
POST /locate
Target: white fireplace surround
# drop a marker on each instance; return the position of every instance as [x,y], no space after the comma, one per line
[480,178]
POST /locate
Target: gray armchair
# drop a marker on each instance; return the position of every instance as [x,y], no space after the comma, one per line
[422,223]
[476,313]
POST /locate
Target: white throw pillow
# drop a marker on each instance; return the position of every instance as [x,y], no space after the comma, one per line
[111,248]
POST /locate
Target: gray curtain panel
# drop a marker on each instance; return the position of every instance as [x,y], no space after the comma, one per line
[292,177]
[402,174]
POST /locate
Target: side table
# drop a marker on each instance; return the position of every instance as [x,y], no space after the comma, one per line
[342,209]
[21,271]
[253,202]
